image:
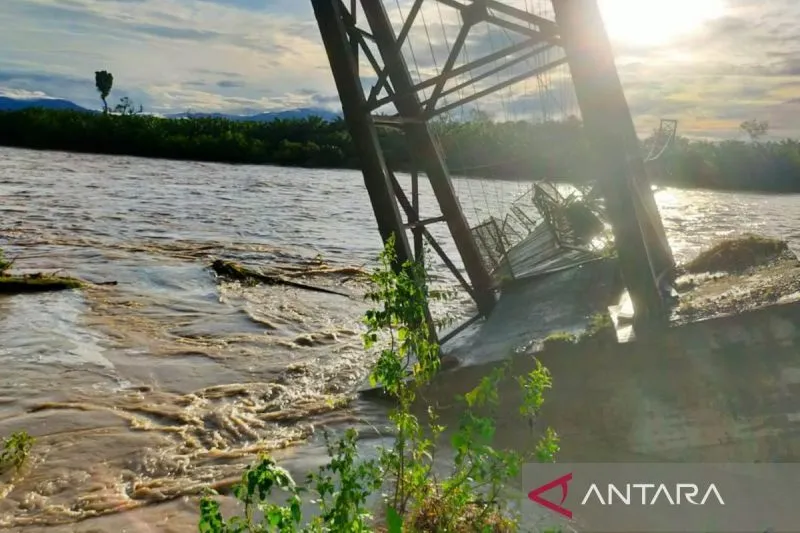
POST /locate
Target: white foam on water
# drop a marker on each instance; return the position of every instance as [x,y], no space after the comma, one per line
[48,328]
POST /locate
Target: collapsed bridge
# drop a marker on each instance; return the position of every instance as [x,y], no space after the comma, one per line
[480,53]
[722,389]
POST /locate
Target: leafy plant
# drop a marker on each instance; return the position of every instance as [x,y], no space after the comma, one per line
[343,486]
[417,497]
[16,449]
[257,484]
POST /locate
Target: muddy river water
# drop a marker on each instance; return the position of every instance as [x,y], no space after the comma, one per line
[142,392]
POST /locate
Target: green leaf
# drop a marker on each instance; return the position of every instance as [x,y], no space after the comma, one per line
[393,520]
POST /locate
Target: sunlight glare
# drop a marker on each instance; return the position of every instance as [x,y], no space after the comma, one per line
[654,22]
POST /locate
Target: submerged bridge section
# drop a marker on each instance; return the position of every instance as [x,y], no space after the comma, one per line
[371,48]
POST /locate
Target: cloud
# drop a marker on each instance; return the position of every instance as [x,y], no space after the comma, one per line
[230,84]
[254,55]
[173,53]
[22,94]
[734,68]
[735,64]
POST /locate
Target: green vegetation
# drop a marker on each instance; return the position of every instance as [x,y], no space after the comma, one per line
[37,283]
[15,452]
[737,255]
[600,329]
[736,165]
[559,339]
[309,142]
[511,150]
[15,284]
[415,498]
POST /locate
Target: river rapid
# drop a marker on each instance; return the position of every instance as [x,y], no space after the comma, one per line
[141,393]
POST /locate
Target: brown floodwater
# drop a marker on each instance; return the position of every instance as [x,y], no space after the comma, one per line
[142,393]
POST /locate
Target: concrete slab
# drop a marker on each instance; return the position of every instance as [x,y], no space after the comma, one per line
[725,389]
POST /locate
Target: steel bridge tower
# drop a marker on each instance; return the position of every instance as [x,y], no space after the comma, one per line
[578,30]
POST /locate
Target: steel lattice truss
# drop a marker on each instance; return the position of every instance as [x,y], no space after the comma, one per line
[533,49]
[536,41]
[578,40]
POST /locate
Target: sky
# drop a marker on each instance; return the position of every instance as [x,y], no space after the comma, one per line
[711,64]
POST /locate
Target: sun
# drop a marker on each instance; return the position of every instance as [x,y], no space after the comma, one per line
[657,22]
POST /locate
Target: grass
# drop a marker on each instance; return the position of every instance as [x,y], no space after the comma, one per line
[429,518]
[559,339]
[737,255]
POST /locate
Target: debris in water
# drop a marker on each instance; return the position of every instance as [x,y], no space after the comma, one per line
[38,282]
[737,275]
[738,255]
[237,272]
[27,283]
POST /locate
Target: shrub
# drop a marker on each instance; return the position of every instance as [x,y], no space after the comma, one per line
[15,452]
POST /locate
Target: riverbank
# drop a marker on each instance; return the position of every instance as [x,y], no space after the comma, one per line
[479,149]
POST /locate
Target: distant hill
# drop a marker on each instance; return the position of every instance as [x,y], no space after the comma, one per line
[13,104]
[267,116]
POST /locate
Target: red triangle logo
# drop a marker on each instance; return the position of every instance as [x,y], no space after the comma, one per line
[563,482]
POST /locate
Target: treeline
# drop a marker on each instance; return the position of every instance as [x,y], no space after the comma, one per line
[311,142]
[735,165]
[509,150]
